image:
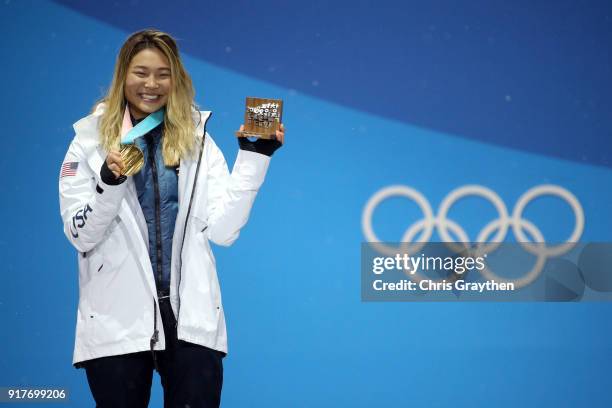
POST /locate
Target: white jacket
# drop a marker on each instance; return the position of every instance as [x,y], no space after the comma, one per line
[118,310]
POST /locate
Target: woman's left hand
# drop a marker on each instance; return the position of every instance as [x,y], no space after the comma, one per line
[280,134]
[263,146]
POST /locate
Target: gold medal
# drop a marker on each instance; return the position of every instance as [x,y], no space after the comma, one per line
[133,159]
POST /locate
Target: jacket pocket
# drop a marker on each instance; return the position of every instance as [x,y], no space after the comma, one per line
[105,264]
[94,259]
[116,245]
[199,225]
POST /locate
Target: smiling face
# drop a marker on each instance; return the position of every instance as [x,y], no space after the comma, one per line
[148,82]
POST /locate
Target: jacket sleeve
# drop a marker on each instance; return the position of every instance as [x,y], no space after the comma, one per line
[87,204]
[231,196]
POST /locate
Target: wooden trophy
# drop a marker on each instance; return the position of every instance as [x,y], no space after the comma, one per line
[262,117]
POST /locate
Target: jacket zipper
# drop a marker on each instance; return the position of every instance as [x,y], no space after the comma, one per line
[158,242]
[155,337]
[195,181]
[152,157]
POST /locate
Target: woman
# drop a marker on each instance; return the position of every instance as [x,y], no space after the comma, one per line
[148,291]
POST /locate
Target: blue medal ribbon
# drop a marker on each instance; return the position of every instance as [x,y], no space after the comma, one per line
[145,126]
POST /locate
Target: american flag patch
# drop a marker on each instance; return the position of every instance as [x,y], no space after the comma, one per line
[69,169]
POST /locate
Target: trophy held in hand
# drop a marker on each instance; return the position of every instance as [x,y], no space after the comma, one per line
[262,118]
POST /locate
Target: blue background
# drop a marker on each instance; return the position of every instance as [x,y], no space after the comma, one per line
[434,96]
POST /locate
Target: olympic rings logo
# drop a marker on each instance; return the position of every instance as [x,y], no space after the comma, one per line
[489,238]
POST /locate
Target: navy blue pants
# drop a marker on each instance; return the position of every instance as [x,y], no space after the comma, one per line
[191,375]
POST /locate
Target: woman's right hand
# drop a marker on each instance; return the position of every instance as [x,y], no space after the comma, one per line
[115,162]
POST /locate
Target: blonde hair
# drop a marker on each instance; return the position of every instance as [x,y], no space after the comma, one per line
[179,128]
